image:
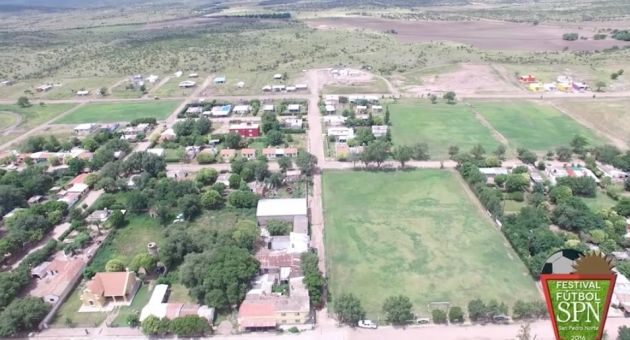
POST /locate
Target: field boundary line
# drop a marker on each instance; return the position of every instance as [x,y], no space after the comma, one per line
[618,142]
[495,133]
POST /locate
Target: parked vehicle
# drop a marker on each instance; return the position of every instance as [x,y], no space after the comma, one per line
[501,319]
[423,321]
[367,324]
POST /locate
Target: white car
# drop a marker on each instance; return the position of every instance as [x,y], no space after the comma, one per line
[367,324]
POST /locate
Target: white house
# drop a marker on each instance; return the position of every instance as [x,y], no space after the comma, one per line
[377,108]
[332,98]
[379,130]
[300,87]
[242,109]
[268,108]
[221,111]
[294,108]
[293,123]
[330,109]
[240,84]
[291,88]
[341,134]
[84,129]
[278,88]
[83,93]
[277,76]
[298,243]
[219,80]
[361,109]
[157,151]
[152,78]
[178,74]
[281,209]
[334,120]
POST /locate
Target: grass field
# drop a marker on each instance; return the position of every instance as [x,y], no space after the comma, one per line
[128,241]
[253,81]
[7,119]
[415,233]
[171,87]
[533,126]
[119,112]
[377,85]
[32,117]
[607,115]
[67,90]
[439,125]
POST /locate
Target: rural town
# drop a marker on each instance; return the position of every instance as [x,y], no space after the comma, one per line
[315,169]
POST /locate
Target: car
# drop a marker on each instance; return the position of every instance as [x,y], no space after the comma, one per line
[501,319]
[367,324]
[423,321]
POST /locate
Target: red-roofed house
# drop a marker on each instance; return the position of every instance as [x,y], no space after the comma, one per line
[56,278]
[248,153]
[78,180]
[110,286]
[257,314]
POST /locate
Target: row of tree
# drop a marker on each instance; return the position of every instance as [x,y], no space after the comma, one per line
[183,326]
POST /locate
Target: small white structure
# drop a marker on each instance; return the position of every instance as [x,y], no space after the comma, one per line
[84,129]
[157,151]
[187,84]
[341,134]
[291,88]
[334,120]
[152,78]
[379,130]
[268,108]
[79,188]
[193,75]
[277,76]
[168,134]
[332,98]
[194,109]
[283,209]
[219,80]
[221,111]
[293,123]
[240,84]
[377,108]
[44,88]
[294,108]
[301,87]
[550,87]
[178,74]
[83,93]
[242,109]
[330,109]
[361,109]
[267,88]
[278,88]
[298,243]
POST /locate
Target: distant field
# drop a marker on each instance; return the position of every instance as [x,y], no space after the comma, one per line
[534,126]
[171,87]
[119,112]
[253,81]
[377,85]
[415,233]
[67,90]
[611,116]
[31,117]
[439,125]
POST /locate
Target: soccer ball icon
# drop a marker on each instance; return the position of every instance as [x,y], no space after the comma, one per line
[561,262]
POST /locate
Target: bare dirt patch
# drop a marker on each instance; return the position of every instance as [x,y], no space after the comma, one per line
[467,79]
[485,34]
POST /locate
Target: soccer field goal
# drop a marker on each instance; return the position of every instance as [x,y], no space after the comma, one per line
[438,305]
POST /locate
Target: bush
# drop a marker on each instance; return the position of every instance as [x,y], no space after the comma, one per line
[277,228]
[243,199]
[439,316]
[456,314]
[517,196]
[570,36]
[205,158]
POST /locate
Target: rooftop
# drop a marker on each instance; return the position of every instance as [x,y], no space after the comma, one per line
[281,207]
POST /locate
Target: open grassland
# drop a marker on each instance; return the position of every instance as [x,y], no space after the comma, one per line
[119,112]
[253,82]
[376,85]
[67,90]
[30,117]
[7,119]
[439,125]
[128,241]
[415,233]
[537,127]
[171,87]
[610,116]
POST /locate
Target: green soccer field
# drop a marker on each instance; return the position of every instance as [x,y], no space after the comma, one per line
[119,112]
[537,127]
[419,234]
[440,126]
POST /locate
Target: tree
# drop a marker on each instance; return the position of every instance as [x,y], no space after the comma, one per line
[477,310]
[578,144]
[524,333]
[189,206]
[137,201]
[143,260]
[581,186]
[516,183]
[526,156]
[433,99]
[114,265]
[402,154]
[246,234]
[420,152]
[306,162]
[103,91]
[477,152]
[207,176]
[234,181]
[386,120]
[21,315]
[117,219]
[313,278]
[189,326]
[285,163]
[398,310]
[364,135]
[623,207]
[564,154]
[560,193]
[152,325]
[438,316]
[233,140]
[500,152]
[24,102]
[349,310]
[277,228]
[456,314]
[212,199]
[205,158]
[243,199]
[450,97]
[624,333]
[599,85]
[453,151]
[275,137]
[376,151]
